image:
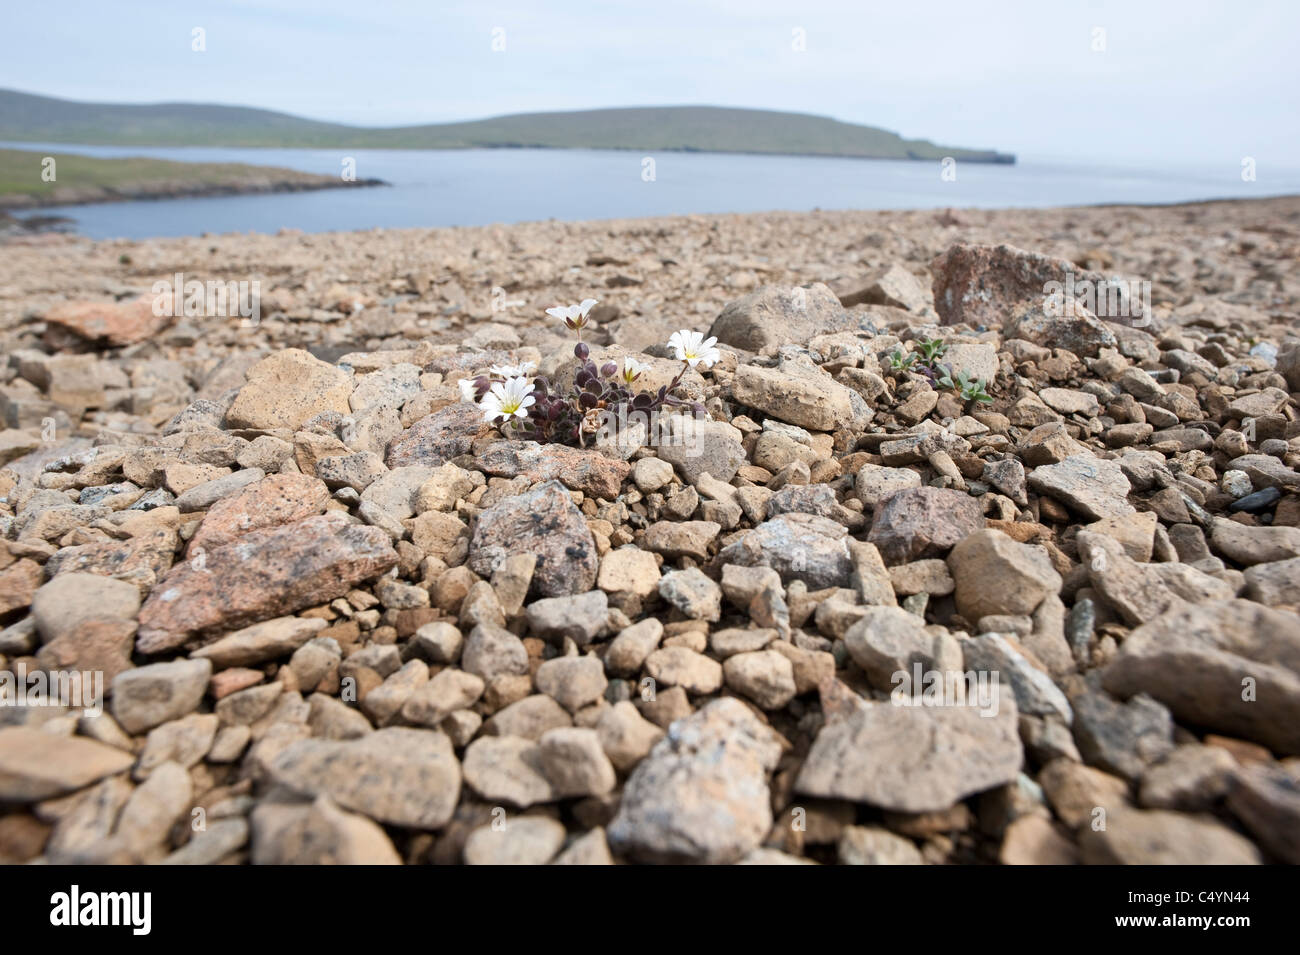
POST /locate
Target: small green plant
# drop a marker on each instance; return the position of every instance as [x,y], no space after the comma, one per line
[898,361]
[966,389]
[932,349]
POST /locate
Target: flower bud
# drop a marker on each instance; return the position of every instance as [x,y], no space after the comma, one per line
[581,351]
[608,369]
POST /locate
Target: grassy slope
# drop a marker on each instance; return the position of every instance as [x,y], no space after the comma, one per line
[24,117]
[20,174]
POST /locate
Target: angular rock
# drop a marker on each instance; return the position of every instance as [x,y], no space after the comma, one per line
[264,574]
[588,471]
[545,522]
[1232,666]
[702,794]
[287,388]
[403,777]
[921,522]
[913,758]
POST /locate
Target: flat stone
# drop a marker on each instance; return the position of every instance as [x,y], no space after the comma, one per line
[270,502]
[913,758]
[268,640]
[1196,661]
[36,765]
[1157,837]
[264,574]
[1088,485]
[400,776]
[588,471]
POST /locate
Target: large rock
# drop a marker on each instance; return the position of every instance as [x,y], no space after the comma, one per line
[1023,574]
[436,439]
[404,777]
[798,547]
[1157,837]
[37,765]
[113,324]
[1087,485]
[582,470]
[780,315]
[271,502]
[1138,592]
[923,522]
[545,522]
[702,794]
[984,285]
[1075,329]
[814,401]
[264,574]
[913,758]
[287,388]
[1232,666]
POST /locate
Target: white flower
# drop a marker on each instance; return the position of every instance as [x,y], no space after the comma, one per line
[508,399]
[521,370]
[468,390]
[694,349]
[575,316]
[632,369]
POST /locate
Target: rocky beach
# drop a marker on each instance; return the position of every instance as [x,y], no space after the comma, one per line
[982,546]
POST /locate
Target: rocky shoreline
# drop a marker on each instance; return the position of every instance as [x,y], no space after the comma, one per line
[859,615]
[166,189]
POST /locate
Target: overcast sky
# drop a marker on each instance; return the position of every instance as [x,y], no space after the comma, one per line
[1195,80]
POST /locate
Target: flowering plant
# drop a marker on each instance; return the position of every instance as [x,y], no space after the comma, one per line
[600,397]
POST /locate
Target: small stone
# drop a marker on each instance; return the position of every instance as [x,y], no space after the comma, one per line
[507,769]
[764,676]
[525,840]
[913,759]
[678,666]
[544,522]
[404,777]
[1088,485]
[581,617]
[573,682]
[146,696]
[871,845]
[1024,575]
[575,763]
[692,593]
[71,599]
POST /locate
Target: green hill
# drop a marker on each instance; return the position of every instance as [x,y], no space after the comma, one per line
[82,179]
[28,118]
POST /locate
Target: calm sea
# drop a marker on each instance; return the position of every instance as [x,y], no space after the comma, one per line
[483,186]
